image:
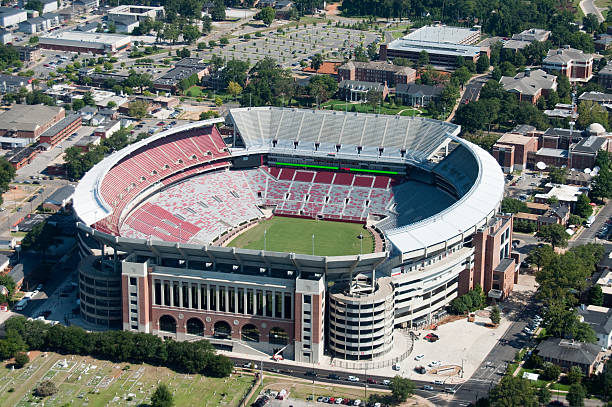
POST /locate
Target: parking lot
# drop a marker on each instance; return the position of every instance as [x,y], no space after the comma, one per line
[295,44]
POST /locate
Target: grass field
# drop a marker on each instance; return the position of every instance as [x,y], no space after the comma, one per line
[295,235]
[97,383]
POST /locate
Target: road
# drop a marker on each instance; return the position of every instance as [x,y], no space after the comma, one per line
[589,7]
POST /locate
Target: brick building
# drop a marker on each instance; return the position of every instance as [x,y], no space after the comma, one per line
[378,72]
[511,151]
[573,63]
[29,121]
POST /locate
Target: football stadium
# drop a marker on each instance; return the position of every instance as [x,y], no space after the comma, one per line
[291,232]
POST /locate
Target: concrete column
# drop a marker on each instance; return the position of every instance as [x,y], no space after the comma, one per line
[199,294]
[163,292]
[244,301]
[207,296]
[216,298]
[263,302]
[235,300]
[153,292]
[189,295]
[180,290]
[283,304]
[226,293]
[171,286]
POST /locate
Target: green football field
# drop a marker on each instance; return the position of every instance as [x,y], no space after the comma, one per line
[295,235]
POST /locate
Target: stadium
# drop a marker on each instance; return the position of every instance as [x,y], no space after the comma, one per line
[289,231]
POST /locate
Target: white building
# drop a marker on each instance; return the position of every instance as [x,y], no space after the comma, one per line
[10,17]
[600,319]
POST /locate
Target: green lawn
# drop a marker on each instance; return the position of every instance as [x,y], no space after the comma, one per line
[386,108]
[295,235]
[99,383]
[194,91]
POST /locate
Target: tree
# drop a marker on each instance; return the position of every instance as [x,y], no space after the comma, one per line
[596,295]
[576,394]
[138,109]
[401,388]
[374,98]
[402,62]
[34,5]
[551,372]
[544,395]
[162,397]
[558,175]
[511,205]
[21,359]
[88,99]
[540,256]
[583,206]
[574,375]
[553,234]
[45,388]
[224,41]
[590,23]
[316,61]
[266,15]
[7,173]
[33,40]
[234,89]
[553,200]
[322,87]
[423,59]
[495,315]
[191,33]
[77,104]
[218,11]
[591,112]
[513,391]
[461,76]
[209,114]
[483,64]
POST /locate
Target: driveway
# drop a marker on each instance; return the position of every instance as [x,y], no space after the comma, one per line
[589,7]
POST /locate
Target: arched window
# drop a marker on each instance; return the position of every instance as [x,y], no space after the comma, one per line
[250,333]
[167,323]
[195,327]
[222,329]
[278,336]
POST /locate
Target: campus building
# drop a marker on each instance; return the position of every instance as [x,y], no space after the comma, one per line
[379,72]
[576,65]
[29,121]
[429,198]
[443,45]
[78,41]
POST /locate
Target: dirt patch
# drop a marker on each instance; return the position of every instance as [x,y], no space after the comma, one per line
[333,9]
[450,318]
[33,354]
[193,112]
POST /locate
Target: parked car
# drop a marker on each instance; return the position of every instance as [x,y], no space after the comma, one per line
[419,357]
[386,382]
[353,379]
[370,380]
[338,400]
[450,390]
[431,337]
[435,363]
[427,387]
[333,376]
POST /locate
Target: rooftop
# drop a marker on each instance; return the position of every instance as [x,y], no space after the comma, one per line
[61,195]
[82,36]
[598,97]
[361,85]
[529,82]
[28,117]
[570,351]
[443,34]
[552,152]
[566,55]
[378,65]
[414,89]
[599,318]
[591,145]
[514,139]
[565,193]
[532,34]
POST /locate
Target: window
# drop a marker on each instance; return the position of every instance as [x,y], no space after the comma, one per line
[134,326]
[133,294]
[307,299]
[134,302]
[134,319]
[132,280]
[306,337]
[306,320]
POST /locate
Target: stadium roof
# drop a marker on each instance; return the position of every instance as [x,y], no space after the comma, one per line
[341,133]
[462,218]
[88,203]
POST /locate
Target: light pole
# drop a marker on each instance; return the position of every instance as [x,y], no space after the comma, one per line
[313,244]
